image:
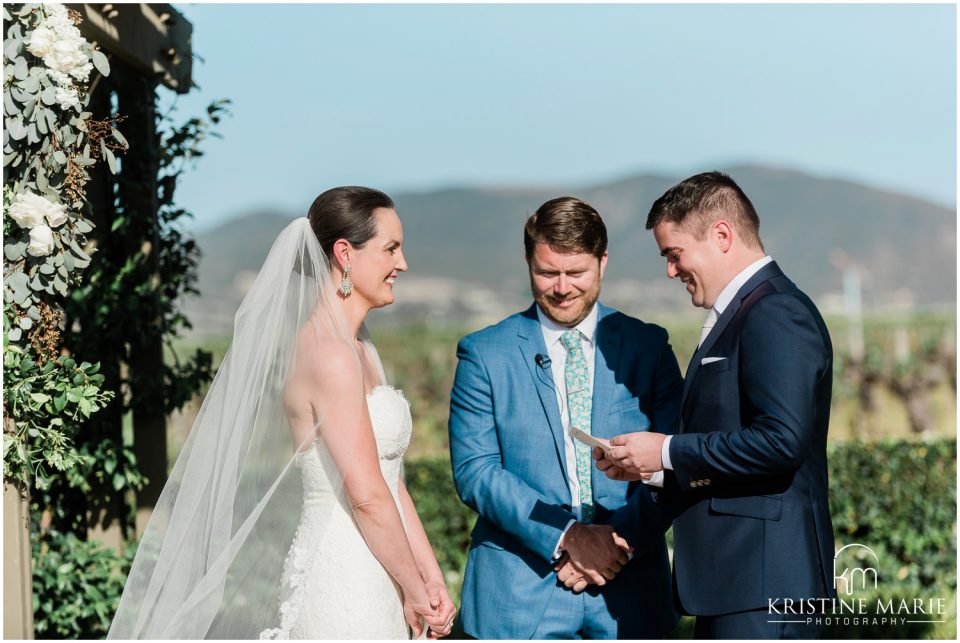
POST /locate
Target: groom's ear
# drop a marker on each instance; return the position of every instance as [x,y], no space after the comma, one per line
[721,233]
[603,263]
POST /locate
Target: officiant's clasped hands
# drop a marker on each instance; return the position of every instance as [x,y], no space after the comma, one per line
[593,555]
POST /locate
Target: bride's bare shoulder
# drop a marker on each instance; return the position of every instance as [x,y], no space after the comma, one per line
[325,372]
[322,354]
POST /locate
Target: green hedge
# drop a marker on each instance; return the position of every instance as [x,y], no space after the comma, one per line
[446,520]
[76,586]
[900,499]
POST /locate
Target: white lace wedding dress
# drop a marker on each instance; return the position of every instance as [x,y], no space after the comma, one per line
[333,586]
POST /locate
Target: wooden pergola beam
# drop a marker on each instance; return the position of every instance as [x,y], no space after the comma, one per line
[17,577]
[151,38]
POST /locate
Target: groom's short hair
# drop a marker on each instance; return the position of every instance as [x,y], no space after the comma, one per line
[695,203]
[567,224]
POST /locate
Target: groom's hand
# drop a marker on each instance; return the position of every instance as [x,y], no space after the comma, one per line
[614,472]
[636,453]
[593,554]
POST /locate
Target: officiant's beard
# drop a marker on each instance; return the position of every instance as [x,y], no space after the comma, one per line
[579,307]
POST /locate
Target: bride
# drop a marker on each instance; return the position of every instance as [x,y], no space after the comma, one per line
[286,515]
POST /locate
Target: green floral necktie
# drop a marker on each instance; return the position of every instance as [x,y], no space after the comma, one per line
[580,405]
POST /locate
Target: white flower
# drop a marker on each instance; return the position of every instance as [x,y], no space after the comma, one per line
[41,41]
[63,49]
[82,72]
[30,210]
[65,56]
[56,12]
[41,241]
[58,19]
[60,78]
[56,215]
[68,98]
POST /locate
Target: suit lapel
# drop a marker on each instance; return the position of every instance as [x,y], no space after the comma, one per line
[530,343]
[722,322]
[606,360]
[766,273]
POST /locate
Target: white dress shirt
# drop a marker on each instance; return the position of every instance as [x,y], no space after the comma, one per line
[723,300]
[557,352]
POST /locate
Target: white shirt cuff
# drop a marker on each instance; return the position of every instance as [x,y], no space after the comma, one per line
[656,480]
[556,550]
[665,454]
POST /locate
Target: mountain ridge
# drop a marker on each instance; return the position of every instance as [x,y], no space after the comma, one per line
[903,245]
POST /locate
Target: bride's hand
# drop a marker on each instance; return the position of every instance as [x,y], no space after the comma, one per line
[442,622]
[415,608]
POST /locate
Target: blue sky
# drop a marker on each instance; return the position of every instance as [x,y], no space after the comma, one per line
[418,97]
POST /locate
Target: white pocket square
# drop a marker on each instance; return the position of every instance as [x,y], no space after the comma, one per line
[711,360]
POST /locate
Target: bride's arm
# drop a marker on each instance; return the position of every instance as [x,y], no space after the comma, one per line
[427,562]
[419,543]
[334,392]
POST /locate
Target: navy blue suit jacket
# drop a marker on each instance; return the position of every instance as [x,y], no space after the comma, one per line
[748,488]
[507,452]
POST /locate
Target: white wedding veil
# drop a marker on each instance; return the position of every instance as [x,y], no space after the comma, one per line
[209,564]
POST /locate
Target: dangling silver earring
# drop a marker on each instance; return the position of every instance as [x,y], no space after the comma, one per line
[346,286]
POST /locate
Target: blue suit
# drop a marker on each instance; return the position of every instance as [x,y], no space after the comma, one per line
[748,490]
[508,459]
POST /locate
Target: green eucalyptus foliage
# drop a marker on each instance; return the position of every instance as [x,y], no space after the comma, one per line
[47,153]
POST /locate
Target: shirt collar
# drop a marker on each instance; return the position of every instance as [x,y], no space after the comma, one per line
[734,285]
[552,331]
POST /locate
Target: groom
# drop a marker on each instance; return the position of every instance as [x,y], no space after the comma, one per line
[546,515]
[746,476]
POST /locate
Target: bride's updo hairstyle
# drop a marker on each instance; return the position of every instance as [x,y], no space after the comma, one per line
[346,213]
